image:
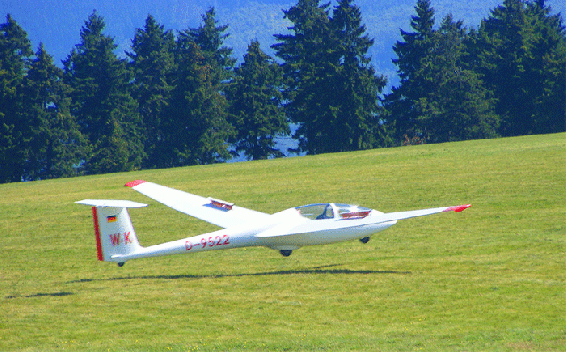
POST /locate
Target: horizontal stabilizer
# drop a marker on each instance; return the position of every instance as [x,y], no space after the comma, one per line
[111,203]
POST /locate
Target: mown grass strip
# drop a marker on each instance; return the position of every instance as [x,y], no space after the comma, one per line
[490,278]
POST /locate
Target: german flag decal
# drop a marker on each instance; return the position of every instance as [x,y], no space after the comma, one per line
[111,218]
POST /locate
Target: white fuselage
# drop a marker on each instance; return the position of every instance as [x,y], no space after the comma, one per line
[286,230]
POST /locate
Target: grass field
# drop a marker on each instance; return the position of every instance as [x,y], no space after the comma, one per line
[489,279]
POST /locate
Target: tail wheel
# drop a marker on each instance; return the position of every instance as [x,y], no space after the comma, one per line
[285,252]
[364,240]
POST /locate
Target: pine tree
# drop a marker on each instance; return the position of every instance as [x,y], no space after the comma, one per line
[153,66]
[331,88]
[255,100]
[523,61]
[412,54]
[547,69]
[360,119]
[506,40]
[101,101]
[54,145]
[196,128]
[15,51]
[456,106]
[309,56]
[210,37]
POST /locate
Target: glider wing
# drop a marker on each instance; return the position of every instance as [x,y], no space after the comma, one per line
[214,211]
[292,229]
[422,212]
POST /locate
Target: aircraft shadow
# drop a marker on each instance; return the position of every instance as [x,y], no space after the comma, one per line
[313,271]
[41,294]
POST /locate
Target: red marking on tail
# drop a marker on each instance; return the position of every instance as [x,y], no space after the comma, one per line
[115,239]
[458,208]
[97,234]
[127,238]
[134,183]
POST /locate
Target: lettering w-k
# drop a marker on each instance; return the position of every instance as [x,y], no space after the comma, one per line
[115,239]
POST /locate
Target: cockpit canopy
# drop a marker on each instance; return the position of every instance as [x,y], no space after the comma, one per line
[338,211]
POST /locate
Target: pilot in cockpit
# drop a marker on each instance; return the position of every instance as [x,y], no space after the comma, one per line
[328,213]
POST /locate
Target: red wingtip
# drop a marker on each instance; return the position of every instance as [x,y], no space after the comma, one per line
[458,208]
[134,183]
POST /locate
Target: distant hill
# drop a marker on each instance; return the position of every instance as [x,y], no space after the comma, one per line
[58,24]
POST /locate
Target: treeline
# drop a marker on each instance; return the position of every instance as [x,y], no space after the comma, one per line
[180,99]
[506,78]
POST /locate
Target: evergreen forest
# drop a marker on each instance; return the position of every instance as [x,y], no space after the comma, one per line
[180,97]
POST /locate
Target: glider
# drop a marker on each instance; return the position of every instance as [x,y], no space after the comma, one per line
[285,231]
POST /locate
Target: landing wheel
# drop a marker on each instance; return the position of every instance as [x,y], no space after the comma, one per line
[121,264]
[364,240]
[285,252]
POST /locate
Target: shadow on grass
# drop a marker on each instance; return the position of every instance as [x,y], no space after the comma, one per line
[42,294]
[324,270]
[313,271]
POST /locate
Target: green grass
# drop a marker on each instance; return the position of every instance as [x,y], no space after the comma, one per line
[489,279]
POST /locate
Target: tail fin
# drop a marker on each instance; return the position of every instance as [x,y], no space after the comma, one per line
[113,228]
